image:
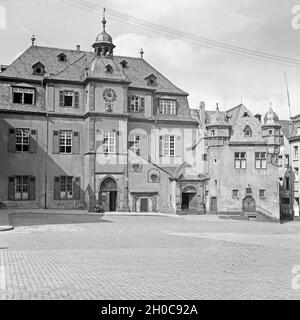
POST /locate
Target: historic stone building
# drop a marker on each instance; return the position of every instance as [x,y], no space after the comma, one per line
[80,129]
[242,156]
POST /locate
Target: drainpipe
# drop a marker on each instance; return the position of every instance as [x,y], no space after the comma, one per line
[46,157]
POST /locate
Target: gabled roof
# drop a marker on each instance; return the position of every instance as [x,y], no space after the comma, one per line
[285,128]
[74,69]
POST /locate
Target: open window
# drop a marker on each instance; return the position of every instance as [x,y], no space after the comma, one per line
[24,95]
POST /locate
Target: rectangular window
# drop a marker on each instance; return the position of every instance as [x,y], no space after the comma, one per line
[248,191]
[134,144]
[235,193]
[22,140]
[65,142]
[262,194]
[21,188]
[23,96]
[296,152]
[109,143]
[167,106]
[240,160]
[287,183]
[66,187]
[170,145]
[135,104]
[260,160]
[281,140]
[68,98]
[298,131]
[296,171]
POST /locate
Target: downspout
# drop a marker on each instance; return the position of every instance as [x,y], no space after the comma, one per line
[46,157]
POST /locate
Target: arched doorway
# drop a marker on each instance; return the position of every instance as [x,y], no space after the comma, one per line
[249,204]
[189,198]
[108,195]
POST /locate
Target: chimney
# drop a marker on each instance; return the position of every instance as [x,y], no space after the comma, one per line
[78,47]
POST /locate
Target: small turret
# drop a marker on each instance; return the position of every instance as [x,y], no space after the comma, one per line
[271,131]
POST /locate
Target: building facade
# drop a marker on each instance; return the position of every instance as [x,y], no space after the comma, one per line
[80,129]
[84,129]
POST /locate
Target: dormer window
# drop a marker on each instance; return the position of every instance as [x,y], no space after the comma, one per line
[109,68]
[124,64]
[151,80]
[38,69]
[62,57]
[246,114]
[247,132]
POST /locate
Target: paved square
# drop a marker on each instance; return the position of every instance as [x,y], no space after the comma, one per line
[51,256]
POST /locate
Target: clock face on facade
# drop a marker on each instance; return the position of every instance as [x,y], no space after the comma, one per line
[109,95]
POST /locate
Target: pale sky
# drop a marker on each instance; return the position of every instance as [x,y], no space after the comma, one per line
[206,74]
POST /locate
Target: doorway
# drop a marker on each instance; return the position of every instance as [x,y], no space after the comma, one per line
[189,199]
[249,204]
[108,195]
[213,205]
[144,205]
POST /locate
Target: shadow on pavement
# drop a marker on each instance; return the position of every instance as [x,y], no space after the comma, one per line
[35,219]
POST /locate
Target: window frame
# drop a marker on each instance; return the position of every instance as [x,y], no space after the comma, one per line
[135,143]
[169,146]
[235,193]
[23,91]
[65,136]
[168,107]
[295,153]
[240,160]
[66,188]
[24,139]
[262,194]
[21,184]
[260,160]
[109,141]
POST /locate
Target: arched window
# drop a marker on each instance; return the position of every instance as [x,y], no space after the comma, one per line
[247,132]
[108,68]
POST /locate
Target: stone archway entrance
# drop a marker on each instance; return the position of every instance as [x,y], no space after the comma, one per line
[108,195]
[189,198]
[249,204]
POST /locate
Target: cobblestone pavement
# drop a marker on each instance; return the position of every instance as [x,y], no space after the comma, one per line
[118,257]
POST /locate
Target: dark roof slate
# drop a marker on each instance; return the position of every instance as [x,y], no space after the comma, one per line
[73,69]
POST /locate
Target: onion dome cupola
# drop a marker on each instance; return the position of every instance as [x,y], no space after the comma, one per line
[103,44]
[271,131]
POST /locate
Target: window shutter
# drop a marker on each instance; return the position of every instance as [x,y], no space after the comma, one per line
[11,147]
[55,142]
[92,98]
[56,188]
[178,147]
[76,143]
[142,104]
[61,98]
[117,141]
[33,141]
[32,188]
[144,146]
[76,99]
[76,188]
[11,188]
[161,140]
[176,107]
[128,103]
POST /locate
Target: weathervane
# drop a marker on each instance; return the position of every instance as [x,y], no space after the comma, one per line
[33,39]
[104,20]
[142,53]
